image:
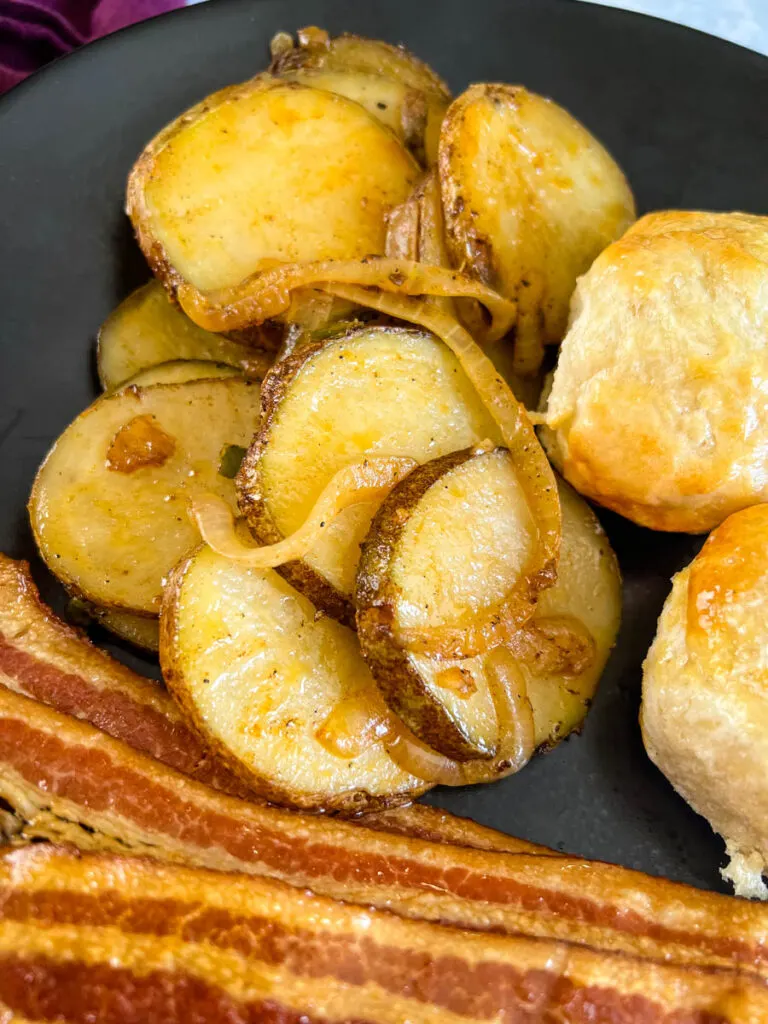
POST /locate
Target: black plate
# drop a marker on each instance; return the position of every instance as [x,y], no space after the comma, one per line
[682,112]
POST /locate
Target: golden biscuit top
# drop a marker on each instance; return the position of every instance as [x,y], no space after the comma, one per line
[704,715]
[659,398]
[726,621]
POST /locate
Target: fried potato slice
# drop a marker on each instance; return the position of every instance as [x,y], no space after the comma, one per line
[259,672]
[179,371]
[371,390]
[314,49]
[146,330]
[415,117]
[447,543]
[138,630]
[109,504]
[530,199]
[394,86]
[262,173]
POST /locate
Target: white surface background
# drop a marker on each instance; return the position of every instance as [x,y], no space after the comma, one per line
[741,21]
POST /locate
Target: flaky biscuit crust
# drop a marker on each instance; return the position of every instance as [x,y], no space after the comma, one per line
[658,405]
[705,691]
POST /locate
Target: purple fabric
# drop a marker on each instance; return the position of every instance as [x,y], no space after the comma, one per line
[32,32]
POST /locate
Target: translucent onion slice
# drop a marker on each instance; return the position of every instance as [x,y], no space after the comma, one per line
[432,248]
[498,623]
[309,309]
[267,293]
[515,745]
[555,645]
[354,725]
[369,480]
[423,762]
[403,230]
[357,723]
[514,713]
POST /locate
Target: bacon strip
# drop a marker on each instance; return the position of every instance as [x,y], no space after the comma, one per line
[44,658]
[436,826]
[94,938]
[61,774]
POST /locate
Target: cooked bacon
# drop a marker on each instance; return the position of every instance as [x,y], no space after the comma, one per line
[66,778]
[46,659]
[437,826]
[128,940]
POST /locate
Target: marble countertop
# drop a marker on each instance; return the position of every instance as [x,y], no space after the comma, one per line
[742,21]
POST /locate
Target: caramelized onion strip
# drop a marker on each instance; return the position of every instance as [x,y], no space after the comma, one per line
[354,725]
[514,714]
[309,309]
[267,293]
[498,623]
[432,249]
[369,480]
[431,226]
[403,230]
[515,745]
[417,759]
[358,722]
[554,645]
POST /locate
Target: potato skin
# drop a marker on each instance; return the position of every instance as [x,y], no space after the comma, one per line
[79,508]
[362,238]
[147,329]
[376,598]
[367,70]
[250,491]
[353,803]
[141,173]
[253,500]
[349,52]
[564,197]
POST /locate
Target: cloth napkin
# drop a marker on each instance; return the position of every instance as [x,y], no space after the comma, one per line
[33,32]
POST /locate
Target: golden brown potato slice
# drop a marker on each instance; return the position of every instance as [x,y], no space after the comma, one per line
[109,504]
[262,173]
[146,329]
[316,50]
[136,629]
[179,371]
[259,672]
[415,117]
[393,85]
[371,390]
[445,545]
[530,199]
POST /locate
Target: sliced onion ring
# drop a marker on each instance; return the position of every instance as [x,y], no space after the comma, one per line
[267,293]
[309,309]
[354,725]
[498,623]
[554,645]
[368,480]
[432,248]
[514,713]
[515,745]
[417,759]
[358,722]
[403,230]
